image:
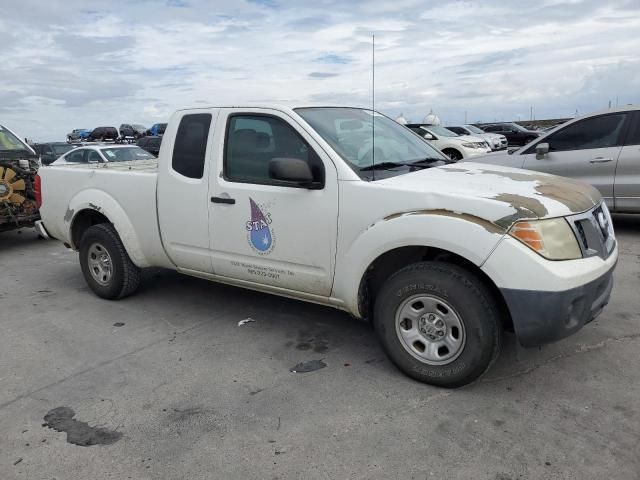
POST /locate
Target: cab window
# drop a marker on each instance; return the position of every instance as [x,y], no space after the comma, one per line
[254,140]
[191,145]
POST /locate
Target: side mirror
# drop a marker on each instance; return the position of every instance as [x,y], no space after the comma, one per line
[294,171]
[428,136]
[541,150]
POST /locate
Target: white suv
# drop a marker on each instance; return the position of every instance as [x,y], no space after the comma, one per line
[454,146]
[495,140]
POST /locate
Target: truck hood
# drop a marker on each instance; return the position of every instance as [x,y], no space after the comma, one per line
[497,195]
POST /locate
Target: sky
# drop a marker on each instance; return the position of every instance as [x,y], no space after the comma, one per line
[68,64]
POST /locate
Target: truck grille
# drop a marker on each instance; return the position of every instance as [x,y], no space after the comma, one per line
[594,232]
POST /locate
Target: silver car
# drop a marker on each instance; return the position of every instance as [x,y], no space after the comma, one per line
[601,148]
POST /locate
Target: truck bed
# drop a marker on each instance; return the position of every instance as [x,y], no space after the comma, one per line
[125,191]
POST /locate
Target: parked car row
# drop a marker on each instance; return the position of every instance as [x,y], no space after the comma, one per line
[51,152]
[128,132]
[514,133]
[103,153]
[453,145]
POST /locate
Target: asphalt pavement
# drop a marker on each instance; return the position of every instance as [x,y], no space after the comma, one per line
[192,380]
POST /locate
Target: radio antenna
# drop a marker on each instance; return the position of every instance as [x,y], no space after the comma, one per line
[373,106]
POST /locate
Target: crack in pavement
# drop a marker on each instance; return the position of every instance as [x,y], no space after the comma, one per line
[578,351]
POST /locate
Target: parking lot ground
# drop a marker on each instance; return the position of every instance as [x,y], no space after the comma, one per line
[192,395]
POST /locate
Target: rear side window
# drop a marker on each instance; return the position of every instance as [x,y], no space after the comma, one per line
[191,145]
[597,132]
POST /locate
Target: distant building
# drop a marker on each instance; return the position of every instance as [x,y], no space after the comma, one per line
[401,120]
[432,119]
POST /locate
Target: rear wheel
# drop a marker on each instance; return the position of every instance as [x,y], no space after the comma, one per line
[105,264]
[438,323]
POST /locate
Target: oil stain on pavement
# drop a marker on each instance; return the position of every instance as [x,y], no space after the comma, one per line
[79,433]
[310,366]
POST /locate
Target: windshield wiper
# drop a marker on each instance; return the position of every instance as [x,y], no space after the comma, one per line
[426,160]
[382,166]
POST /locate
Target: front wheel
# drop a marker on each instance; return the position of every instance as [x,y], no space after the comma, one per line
[105,264]
[438,323]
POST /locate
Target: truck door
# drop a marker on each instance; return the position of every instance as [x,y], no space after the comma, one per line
[263,231]
[183,184]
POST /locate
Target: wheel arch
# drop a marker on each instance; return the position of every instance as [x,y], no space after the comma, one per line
[408,237]
[92,207]
[390,262]
[453,149]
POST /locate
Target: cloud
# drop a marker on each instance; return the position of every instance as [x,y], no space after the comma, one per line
[333,58]
[66,66]
[322,75]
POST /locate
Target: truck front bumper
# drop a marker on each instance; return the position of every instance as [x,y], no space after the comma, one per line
[542,317]
[549,300]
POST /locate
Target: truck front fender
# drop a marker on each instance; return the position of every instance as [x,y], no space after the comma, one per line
[103,203]
[467,236]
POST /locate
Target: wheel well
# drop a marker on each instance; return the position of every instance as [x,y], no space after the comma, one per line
[82,221]
[390,262]
[451,149]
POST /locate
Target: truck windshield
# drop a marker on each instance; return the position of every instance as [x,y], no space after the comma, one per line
[350,132]
[9,142]
[126,154]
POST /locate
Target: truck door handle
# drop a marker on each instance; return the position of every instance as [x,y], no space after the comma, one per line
[601,160]
[227,200]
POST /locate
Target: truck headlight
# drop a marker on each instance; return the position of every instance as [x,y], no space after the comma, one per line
[552,238]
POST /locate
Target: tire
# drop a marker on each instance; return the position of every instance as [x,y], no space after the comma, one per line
[453,154]
[439,287]
[111,277]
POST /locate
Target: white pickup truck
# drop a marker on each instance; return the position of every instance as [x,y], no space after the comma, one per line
[307,203]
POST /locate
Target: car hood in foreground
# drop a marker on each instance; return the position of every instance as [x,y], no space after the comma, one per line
[499,195]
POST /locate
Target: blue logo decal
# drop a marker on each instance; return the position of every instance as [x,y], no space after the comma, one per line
[259,232]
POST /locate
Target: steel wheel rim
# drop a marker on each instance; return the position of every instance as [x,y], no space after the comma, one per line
[430,329]
[100,265]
